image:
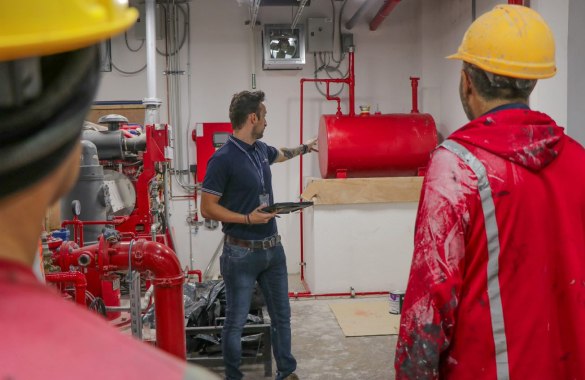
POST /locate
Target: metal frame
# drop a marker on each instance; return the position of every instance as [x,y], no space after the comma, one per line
[265,354]
[269,63]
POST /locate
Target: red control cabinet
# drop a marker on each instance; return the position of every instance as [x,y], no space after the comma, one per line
[209,137]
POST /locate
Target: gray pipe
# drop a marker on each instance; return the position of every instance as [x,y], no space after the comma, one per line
[152,103]
[358,15]
[217,250]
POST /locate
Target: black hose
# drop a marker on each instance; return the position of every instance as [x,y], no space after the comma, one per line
[99,306]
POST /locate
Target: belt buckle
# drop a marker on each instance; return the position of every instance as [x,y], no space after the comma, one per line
[268,243]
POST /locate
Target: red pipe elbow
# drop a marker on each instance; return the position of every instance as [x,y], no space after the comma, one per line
[76,278]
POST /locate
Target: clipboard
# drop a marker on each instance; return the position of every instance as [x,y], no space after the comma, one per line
[286,207]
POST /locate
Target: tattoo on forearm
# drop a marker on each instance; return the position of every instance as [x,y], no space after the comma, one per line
[292,152]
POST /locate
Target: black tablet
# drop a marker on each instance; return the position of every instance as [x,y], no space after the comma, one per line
[286,207]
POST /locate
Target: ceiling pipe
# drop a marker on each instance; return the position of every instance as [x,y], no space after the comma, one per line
[254,9]
[358,14]
[298,15]
[384,11]
[151,102]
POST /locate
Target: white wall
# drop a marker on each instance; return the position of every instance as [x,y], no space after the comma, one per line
[551,95]
[385,59]
[367,247]
[443,26]
[576,65]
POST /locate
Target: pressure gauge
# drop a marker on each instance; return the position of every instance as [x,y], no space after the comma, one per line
[76,208]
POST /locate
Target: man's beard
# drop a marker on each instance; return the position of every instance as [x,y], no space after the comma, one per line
[464,103]
[257,133]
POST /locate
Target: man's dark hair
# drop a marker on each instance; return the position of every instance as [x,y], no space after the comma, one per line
[243,104]
[493,86]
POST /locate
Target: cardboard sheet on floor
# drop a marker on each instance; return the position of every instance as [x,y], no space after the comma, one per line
[365,318]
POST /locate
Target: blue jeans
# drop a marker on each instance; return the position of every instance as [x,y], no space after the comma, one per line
[240,268]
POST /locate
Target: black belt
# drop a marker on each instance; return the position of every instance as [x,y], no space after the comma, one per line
[254,244]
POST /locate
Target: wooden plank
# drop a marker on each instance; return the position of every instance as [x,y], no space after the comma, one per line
[366,318]
[363,190]
[53,217]
[118,107]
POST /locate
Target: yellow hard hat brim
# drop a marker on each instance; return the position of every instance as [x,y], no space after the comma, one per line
[501,67]
[53,43]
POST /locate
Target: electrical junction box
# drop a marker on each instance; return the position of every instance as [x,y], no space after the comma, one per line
[320,35]
[346,42]
[140,26]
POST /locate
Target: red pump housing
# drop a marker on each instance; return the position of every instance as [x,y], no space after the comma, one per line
[393,145]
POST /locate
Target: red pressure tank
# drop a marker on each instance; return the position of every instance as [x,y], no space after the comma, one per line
[391,145]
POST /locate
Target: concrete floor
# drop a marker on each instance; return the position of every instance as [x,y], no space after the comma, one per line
[322,350]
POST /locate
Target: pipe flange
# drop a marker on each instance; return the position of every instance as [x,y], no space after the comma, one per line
[169,282]
[151,102]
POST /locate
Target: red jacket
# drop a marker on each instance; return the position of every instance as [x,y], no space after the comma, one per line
[497,283]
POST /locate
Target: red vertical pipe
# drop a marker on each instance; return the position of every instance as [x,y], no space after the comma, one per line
[414,83]
[75,277]
[384,11]
[168,289]
[301,190]
[351,82]
[515,2]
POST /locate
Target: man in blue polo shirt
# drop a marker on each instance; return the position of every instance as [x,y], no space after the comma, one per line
[237,185]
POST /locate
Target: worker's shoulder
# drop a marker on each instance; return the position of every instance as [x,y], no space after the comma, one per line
[224,156]
[443,160]
[62,329]
[574,146]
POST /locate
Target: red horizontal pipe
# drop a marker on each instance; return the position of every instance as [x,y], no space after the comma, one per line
[75,277]
[117,221]
[309,294]
[384,11]
[168,289]
[197,272]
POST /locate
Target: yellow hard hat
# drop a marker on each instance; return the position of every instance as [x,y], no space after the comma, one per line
[42,27]
[512,41]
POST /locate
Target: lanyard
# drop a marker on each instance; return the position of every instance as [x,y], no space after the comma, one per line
[257,164]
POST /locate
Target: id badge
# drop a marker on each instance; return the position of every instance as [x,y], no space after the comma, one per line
[264,199]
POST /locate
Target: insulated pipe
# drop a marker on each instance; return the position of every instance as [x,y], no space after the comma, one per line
[298,14]
[75,277]
[359,14]
[151,102]
[168,289]
[150,49]
[384,11]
